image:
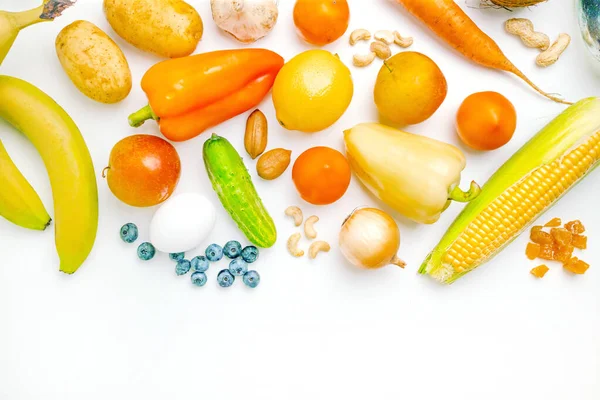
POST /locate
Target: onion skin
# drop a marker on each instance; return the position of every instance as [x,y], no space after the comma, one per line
[370,239]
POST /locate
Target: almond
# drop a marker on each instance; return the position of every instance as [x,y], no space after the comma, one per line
[257,129]
[273,163]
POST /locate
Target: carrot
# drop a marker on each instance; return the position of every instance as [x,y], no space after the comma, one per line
[450,23]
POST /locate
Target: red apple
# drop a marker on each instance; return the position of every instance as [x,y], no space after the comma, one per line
[143,170]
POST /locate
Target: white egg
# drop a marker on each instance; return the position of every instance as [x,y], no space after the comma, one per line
[182,223]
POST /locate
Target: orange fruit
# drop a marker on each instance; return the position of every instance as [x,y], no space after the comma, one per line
[486,121]
[321,22]
[321,175]
[143,170]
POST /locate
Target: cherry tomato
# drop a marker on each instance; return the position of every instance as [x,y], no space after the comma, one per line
[486,121]
[321,175]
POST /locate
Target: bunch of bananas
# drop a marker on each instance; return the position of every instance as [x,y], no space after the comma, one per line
[69,165]
[61,146]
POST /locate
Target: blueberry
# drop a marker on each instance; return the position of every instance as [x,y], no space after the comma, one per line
[225,279]
[146,251]
[129,233]
[199,278]
[183,267]
[250,254]
[251,279]
[176,256]
[238,267]
[200,264]
[232,249]
[214,252]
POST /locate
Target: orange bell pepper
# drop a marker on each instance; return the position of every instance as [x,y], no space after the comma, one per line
[191,94]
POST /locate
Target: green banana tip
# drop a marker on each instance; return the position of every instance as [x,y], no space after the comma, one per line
[457,194]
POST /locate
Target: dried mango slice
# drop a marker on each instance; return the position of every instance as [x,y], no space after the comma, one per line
[540,271]
[563,253]
[541,237]
[575,227]
[554,223]
[577,266]
[579,241]
[561,236]
[532,251]
[546,252]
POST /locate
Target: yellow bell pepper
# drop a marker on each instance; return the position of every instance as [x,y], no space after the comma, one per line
[415,175]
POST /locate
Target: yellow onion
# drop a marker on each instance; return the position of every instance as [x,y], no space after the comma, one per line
[370,239]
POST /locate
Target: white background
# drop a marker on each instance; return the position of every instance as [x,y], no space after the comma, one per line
[121,328]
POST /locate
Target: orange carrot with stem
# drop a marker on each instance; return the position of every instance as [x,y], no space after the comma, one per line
[450,23]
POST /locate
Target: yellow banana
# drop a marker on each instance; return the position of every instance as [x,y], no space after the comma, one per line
[11,23]
[19,203]
[69,165]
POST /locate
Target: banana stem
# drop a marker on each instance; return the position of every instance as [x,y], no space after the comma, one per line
[24,19]
[460,196]
[142,115]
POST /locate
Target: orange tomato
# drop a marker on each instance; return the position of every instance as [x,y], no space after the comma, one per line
[143,170]
[486,121]
[321,22]
[321,175]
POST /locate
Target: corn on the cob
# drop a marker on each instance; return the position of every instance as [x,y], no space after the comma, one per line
[527,185]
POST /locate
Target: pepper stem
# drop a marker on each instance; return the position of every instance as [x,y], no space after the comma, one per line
[464,197]
[142,115]
[398,262]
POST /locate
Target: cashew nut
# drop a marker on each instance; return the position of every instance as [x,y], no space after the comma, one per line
[401,41]
[523,28]
[296,213]
[317,247]
[358,35]
[292,245]
[386,37]
[309,229]
[550,56]
[362,60]
[381,49]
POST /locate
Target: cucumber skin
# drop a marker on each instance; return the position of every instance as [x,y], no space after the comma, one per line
[232,183]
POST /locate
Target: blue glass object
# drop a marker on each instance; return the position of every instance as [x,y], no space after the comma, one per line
[589,22]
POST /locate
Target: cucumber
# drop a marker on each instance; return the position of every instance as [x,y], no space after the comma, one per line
[232,183]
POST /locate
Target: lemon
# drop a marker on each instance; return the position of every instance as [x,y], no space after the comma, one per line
[312,91]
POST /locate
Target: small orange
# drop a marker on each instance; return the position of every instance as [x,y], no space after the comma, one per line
[321,22]
[321,175]
[486,121]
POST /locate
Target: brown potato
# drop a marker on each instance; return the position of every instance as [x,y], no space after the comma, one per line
[168,28]
[93,62]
